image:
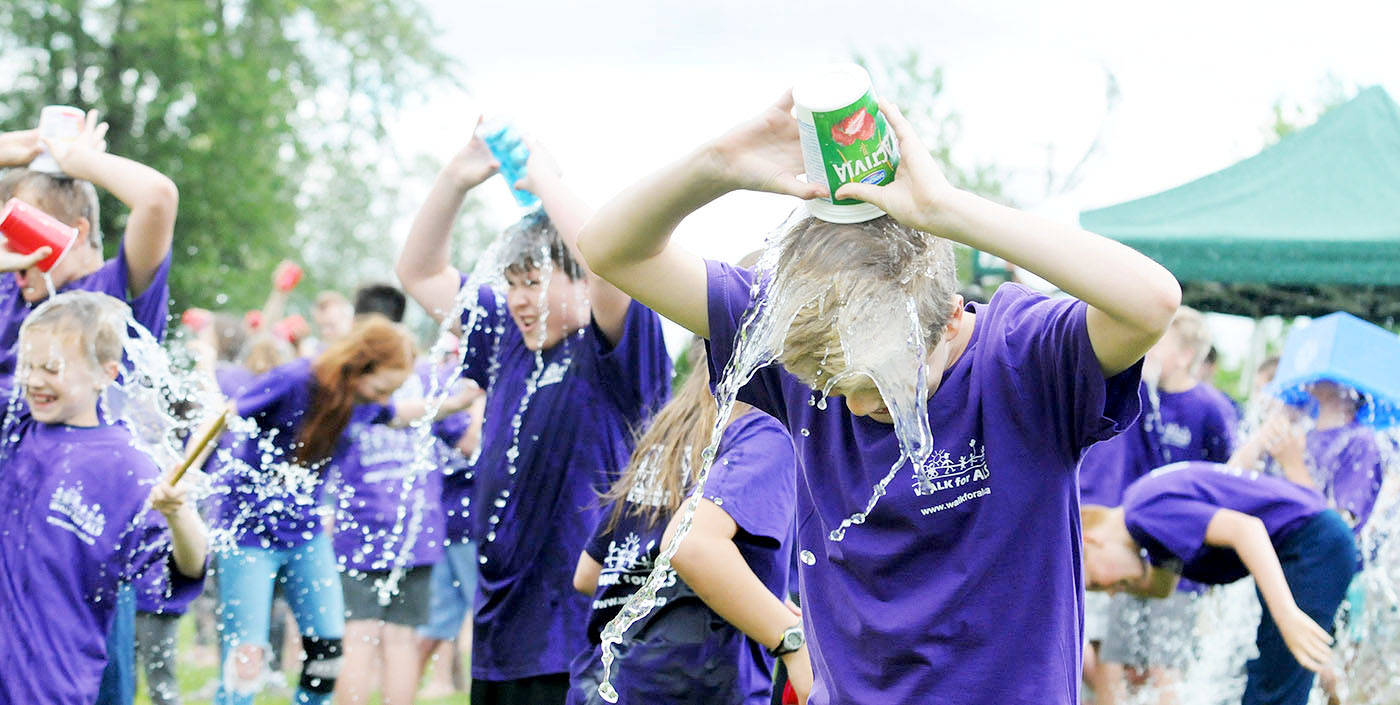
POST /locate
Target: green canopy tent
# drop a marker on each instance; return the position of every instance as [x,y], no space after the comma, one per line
[1308,226]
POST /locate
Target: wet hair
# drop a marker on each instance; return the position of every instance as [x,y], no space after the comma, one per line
[860,262]
[373,344]
[667,455]
[527,241]
[66,199]
[1189,327]
[383,299]
[97,321]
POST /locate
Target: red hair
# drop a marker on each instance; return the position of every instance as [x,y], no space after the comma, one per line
[375,344]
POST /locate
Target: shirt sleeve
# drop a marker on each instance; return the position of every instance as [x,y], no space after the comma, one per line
[754,478]
[150,564]
[481,333]
[636,372]
[1168,525]
[728,297]
[151,307]
[1052,364]
[1220,433]
[597,546]
[266,395]
[1358,476]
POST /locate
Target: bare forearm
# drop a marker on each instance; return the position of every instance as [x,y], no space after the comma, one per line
[428,248]
[189,545]
[717,572]
[1250,541]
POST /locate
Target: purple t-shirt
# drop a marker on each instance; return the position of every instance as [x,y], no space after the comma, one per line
[73,526]
[534,500]
[1346,464]
[149,309]
[272,500]
[1195,425]
[683,651]
[1168,511]
[920,602]
[388,512]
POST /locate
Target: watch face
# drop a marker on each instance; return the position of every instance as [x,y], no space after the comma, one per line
[792,640]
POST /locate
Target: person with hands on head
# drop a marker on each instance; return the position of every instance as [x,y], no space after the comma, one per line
[137,274]
[1216,524]
[929,587]
[558,343]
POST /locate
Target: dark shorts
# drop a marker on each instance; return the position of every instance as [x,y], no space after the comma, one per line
[549,689]
[408,606]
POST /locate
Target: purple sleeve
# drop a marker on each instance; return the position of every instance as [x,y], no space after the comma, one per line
[1169,522]
[150,567]
[754,477]
[451,429]
[636,372]
[265,395]
[482,340]
[1220,430]
[152,307]
[728,296]
[1358,477]
[597,546]
[1053,366]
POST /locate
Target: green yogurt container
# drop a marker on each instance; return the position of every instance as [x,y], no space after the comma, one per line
[845,139]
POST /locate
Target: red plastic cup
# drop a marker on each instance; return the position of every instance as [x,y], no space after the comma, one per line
[26,229]
[287,276]
[253,320]
[291,329]
[196,319]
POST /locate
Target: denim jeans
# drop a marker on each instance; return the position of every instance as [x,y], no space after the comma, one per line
[453,592]
[312,589]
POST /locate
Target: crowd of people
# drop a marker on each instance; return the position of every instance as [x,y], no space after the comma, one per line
[510,491]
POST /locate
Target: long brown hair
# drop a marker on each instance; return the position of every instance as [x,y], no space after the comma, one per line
[373,345]
[661,472]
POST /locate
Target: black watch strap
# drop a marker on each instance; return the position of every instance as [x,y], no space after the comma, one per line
[793,639]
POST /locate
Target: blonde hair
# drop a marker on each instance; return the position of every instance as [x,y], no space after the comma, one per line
[97,321]
[1189,327]
[661,472]
[879,260]
[1092,516]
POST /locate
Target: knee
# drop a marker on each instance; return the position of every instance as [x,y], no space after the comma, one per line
[322,664]
[244,668]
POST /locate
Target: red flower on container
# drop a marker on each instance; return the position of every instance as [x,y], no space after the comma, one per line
[857,126]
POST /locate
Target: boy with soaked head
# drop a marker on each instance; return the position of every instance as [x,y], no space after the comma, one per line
[916,595]
[570,365]
[138,273]
[85,511]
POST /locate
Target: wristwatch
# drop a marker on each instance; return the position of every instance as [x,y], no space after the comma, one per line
[792,640]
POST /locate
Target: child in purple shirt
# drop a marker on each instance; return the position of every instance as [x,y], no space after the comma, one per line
[139,272]
[1215,524]
[571,365]
[731,571]
[917,598]
[80,507]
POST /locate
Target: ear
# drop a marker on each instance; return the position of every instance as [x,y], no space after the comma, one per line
[955,318]
[84,228]
[110,370]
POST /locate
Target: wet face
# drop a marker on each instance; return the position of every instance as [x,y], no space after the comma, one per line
[863,397]
[61,385]
[1171,356]
[78,262]
[378,386]
[546,312]
[1113,566]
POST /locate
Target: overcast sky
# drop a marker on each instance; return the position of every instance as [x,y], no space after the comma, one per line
[617,93]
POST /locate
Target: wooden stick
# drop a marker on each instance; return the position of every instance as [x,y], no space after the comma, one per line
[196,450]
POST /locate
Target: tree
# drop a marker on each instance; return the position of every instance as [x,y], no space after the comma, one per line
[268,114]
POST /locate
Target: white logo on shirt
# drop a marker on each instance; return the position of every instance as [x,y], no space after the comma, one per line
[941,472]
[86,521]
[552,374]
[1176,435]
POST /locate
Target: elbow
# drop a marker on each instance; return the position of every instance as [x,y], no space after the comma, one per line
[1163,300]
[162,197]
[581,584]
[594,253]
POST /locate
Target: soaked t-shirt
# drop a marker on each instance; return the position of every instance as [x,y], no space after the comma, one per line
[963,583]
[150,308]
[683,652]
[557,427]
[272,500]
[1346,465]
[1167,513]
[74,525]
[388,490]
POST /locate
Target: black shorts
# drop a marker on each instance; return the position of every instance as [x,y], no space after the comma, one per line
[549,689]
[408,606]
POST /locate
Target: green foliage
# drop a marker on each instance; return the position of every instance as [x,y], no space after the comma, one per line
[268,114]
[1289,116]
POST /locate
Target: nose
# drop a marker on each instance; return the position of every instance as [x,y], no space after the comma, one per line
[862,404]
[518,298]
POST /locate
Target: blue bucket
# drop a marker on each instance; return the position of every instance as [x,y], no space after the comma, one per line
[1342,348]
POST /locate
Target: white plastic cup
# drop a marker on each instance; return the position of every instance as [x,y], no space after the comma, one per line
[57,123]
[845,139]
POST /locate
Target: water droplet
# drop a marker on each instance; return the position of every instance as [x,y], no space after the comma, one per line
[808,558]
[719,501]
[806,433]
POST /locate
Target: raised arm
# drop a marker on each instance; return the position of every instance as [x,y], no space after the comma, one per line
[1246,535]
[152,198]
[628,241]
[424,267]
[710,563]
[1131,298]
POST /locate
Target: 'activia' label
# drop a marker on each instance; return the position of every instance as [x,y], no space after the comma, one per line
[854,144]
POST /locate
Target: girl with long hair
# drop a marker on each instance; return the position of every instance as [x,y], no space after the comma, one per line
[300,411]
[708,641]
